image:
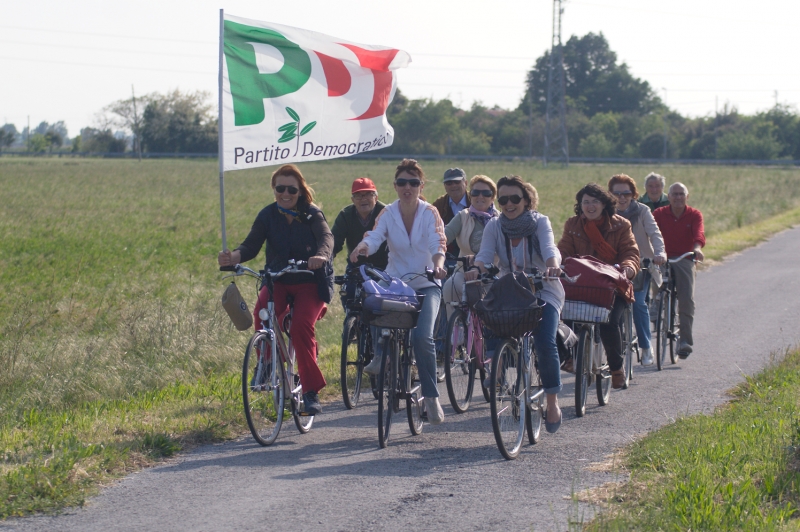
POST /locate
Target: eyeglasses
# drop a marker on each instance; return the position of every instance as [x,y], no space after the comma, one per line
[401,182]
[622,194]
[363,195]
[515,199]
[453,182]
[481,192]
[280,189]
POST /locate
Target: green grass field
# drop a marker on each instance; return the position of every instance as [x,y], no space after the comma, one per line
[113,346]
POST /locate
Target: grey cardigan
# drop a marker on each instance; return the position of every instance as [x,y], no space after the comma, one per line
[493,245]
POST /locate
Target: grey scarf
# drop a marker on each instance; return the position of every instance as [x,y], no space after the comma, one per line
[522,226]
[631,213]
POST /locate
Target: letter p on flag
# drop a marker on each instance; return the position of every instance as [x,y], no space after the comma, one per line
[281,83]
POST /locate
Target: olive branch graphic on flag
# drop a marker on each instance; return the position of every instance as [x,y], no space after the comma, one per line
[290,129]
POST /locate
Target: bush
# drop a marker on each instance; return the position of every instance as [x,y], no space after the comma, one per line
[748,146]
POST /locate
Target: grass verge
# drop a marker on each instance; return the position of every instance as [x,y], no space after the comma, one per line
[737,469]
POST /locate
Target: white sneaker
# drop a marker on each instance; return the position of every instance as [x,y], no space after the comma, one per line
[434,409]
[647,356]
[374,366]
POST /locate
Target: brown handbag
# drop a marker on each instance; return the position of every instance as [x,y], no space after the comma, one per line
[236,307]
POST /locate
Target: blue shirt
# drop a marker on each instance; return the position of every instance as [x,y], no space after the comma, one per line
[458,207]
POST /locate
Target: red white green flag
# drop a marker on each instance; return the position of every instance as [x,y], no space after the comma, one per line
[292,95]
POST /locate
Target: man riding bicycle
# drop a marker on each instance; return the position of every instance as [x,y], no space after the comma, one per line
[682,229]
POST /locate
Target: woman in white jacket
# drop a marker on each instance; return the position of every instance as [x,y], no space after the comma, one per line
[651,246]
[414,232]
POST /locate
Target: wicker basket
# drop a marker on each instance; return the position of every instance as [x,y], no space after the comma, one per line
[512,323]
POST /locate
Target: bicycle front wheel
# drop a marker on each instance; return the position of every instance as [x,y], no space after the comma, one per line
[352,365]
[535,412]
[674,328]
[603,372]
[662,328]
[262,390]
[439,331]
[583,368]
[412,387]
[507,400]
[387,390]
[459,364]
[627,345]
[302,420]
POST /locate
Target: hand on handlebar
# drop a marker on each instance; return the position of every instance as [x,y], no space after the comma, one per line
[439,273]
[360,249]
[316,262]
[229,258]
[471,275]
[698,255]
[553,271]
[660,261]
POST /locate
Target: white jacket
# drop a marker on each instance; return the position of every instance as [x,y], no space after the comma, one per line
[409,253]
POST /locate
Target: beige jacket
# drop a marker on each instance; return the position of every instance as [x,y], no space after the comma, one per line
[648,236]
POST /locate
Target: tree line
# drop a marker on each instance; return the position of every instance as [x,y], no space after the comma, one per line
[610,113]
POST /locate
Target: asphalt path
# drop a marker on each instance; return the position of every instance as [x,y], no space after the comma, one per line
[452,477]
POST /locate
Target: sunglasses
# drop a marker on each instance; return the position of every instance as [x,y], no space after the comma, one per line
[280,189]
[485,193]
[620,194]
[401,182]
[515,199]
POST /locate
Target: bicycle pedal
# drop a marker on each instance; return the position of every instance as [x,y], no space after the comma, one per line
[304,414]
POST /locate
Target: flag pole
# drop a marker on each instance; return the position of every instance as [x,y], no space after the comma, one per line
[221,153]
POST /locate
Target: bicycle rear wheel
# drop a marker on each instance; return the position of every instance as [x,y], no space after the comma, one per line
[627,345]
[675,327]
[411,385]
[352,364]
[459,364]
[603,372]
[662,328]
[439,332]
[387,390]
[262,390]
[535,413]
[507,400]
[583,368]
[302,421]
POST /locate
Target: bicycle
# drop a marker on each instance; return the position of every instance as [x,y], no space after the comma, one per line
[516,394]
[397,380]
[357,349]
[265,385]
[464,345]
[440,325]
[630,340]
[667,318]
[590,362]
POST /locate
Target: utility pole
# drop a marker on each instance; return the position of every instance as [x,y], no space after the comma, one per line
[137,143]
[556,143]
[716,124]
[666,132]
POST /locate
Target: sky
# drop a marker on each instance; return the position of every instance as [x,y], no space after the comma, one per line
[67,60]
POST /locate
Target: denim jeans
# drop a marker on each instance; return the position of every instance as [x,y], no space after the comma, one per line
[422,341]
[544,342]
[641,318]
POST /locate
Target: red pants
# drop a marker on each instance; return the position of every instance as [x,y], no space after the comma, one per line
[307,310]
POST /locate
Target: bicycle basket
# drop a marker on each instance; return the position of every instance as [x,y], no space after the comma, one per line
[390,303]
[587,303]
[510,323]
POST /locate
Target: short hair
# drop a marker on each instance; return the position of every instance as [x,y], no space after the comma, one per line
[306,192]
[596,191]
[412,167]
[622,179]
[679,184]
[486,180]
[653,175]
[528,191]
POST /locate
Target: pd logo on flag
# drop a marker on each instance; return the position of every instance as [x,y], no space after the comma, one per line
[293,95]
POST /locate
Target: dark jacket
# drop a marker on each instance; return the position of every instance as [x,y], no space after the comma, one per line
[348,230]
[442,205]
[617,232]
[307,236]
[644,199]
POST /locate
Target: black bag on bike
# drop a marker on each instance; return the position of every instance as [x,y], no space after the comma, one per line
[510,307]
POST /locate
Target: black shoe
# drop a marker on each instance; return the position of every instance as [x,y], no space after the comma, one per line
[311,404]
[683,355]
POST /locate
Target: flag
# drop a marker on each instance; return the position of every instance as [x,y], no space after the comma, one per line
[292,95]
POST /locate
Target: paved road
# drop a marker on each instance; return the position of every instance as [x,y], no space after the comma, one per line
[452,476]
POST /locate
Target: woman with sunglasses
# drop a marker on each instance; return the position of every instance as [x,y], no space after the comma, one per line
[521,238]
[597,230]
[651,246]
[414,232]
[466,228]
[294,228]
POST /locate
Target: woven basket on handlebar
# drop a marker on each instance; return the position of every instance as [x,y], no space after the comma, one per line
[511,322]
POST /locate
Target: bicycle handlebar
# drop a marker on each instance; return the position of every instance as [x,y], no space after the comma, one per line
[687,254]
[299,266]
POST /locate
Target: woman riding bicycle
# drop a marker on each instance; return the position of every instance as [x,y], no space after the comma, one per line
[414,232]
[651,246]
[294,228]
[522,239]
[597,230]
[466,228]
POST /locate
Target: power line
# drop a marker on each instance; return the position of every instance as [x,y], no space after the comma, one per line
[127,67]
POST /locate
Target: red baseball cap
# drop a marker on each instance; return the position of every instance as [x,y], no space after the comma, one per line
[363,184]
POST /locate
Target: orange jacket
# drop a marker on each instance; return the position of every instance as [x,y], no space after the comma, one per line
[617,232]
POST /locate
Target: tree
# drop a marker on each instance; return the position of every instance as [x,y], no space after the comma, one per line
[93,140]
[8,135]
[54,139]
[179,123]
[594,82]
[127,115]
